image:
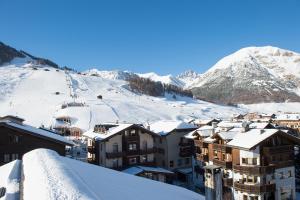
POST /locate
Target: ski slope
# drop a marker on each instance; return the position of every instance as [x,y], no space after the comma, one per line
[31,94]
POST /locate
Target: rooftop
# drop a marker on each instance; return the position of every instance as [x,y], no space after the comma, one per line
[164,127]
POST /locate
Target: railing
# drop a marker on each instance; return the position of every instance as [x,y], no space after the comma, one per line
[185,144]
[287,163]
[185,153]
[114,155]
[254,170]
[221,147]
[278,149]
[148,151]
[254,189]
[223,163]
[228,182]
[132,138]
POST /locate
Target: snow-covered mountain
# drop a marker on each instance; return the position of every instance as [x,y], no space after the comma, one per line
[167,79]
[252,75]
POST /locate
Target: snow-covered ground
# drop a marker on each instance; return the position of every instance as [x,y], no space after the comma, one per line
[31,94]
[10,175]
[272,107]
[50,176]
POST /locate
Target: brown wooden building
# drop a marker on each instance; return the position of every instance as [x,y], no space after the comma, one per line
[16,139]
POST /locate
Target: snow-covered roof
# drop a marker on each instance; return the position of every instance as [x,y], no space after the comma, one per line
[251,138]
[190,135]
[209,140]
[50,176]
[10,174]
[164,127]
[40,132]
[228,124]
[292,116]
[138,169]
[110,132]
[258,125]
[185,170]
[227,135]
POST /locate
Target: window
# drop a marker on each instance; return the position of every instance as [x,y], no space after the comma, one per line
[245,197]
[132,147]
[132,133]
[144,158]
[254,161]
[14,156]
[215,154]
[160,140]
[13,139]
[115,147]
[281,175]
[6,158]
[179,162]
[171,163]
[187,161]
[145,145]
[115,163]
[132,161]
[223,156]
[253,197]
[289,173]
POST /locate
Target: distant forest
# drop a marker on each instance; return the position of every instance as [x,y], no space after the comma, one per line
[147,86]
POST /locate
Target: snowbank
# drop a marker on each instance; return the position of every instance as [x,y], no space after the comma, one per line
[10,178]
[50,176]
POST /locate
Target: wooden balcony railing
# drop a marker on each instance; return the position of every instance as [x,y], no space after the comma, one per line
[148,151]
[186,144]
[185,153]
[228,182]
[114,155]
[253,169]
[221,147]
[222,163]
[132,138]
[278,149]
[254,189]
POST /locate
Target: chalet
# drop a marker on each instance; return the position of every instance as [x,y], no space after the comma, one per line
[252,163]
[288,120]
[173,150]
[17,138]
[204,122]
[120,146]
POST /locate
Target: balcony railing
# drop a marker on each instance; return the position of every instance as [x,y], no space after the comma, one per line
[221,147]
[186,144]
[132,138]
[148,151]
[114,155]
[253,169]
[222,163]
[185,153]
[254,189]
[278,149]
[228,182]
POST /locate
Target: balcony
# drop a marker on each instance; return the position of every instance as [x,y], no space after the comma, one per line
[278,149]
[228,182]
[202,157]
[287,163]
[114,155]
[253,169]
[254,189]
[221,147]
[185,153]
[132,138]
[147,151]
[186,144]
[223,163]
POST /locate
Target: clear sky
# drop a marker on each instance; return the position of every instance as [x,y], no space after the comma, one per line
[165,36]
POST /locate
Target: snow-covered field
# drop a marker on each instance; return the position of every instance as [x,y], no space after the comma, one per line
[31,94]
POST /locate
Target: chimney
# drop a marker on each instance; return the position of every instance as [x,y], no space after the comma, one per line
[245,127]
[214,124]
[262,131]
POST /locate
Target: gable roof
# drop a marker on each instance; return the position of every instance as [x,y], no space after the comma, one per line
[164,127]
[254,137]
[113,131]
[41,133]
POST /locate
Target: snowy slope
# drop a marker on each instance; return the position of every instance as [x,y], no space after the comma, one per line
[167,79]
[31,94]
[252,75]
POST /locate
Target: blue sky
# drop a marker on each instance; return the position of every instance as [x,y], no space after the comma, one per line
[165,36]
